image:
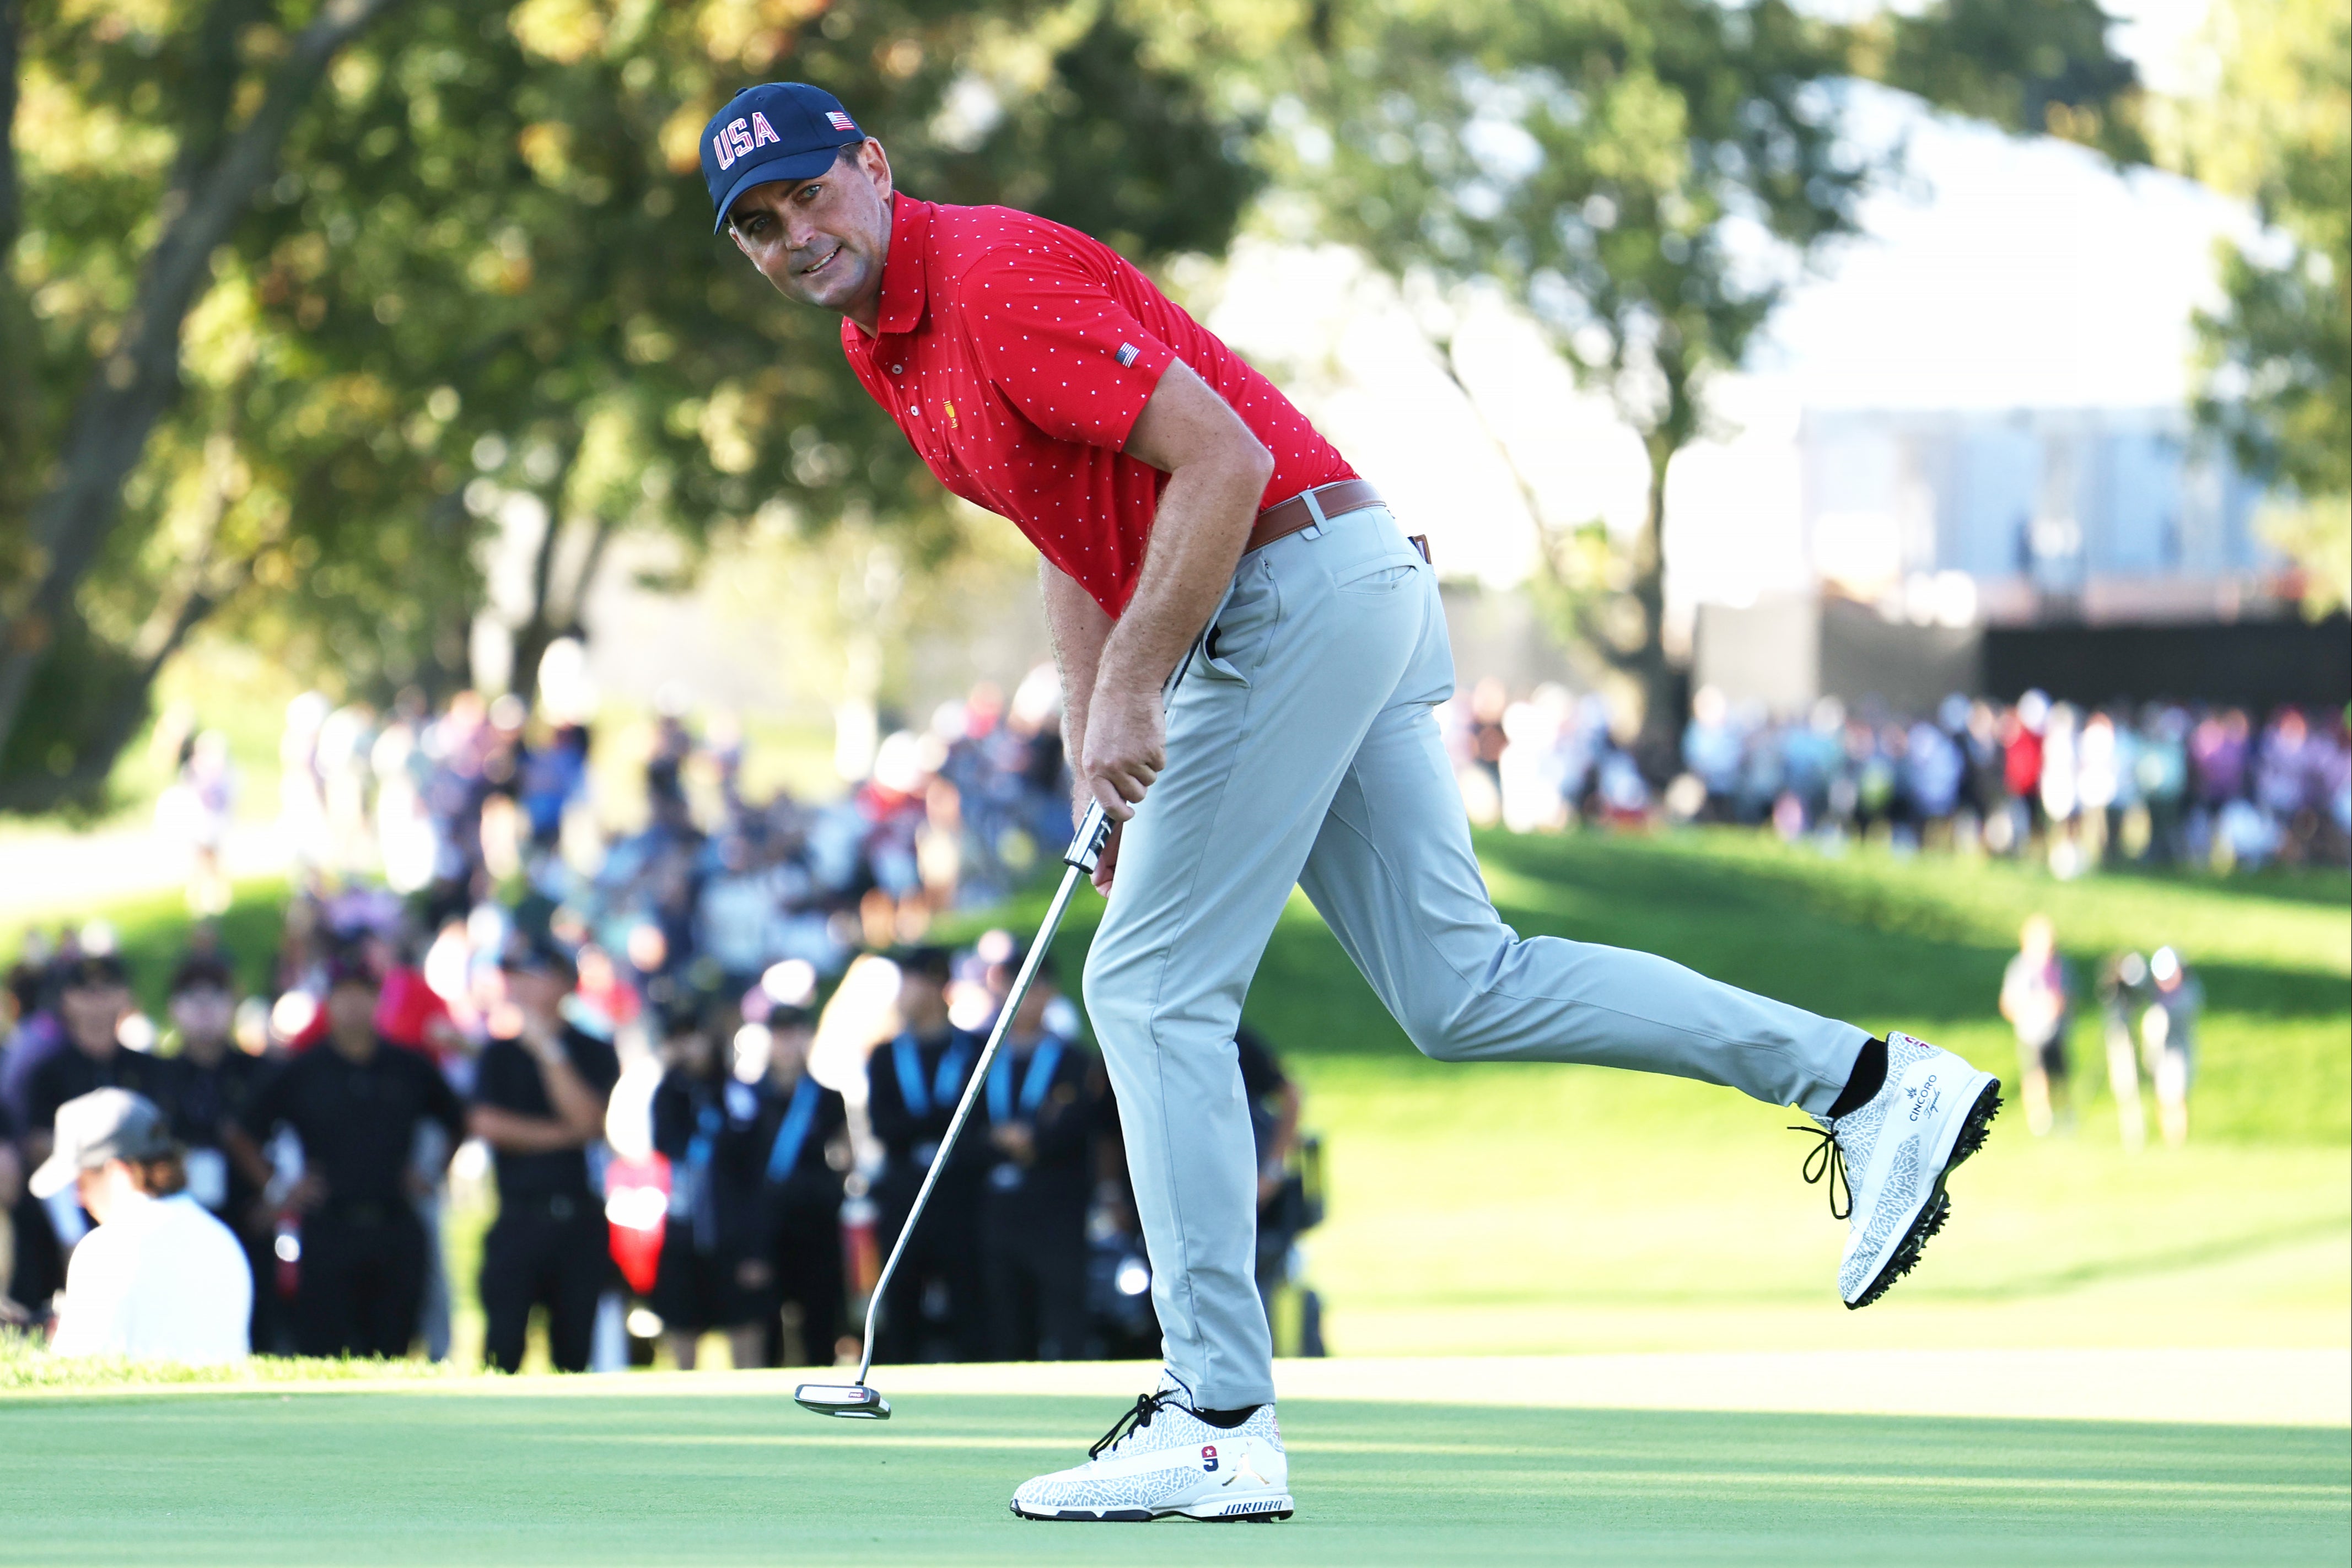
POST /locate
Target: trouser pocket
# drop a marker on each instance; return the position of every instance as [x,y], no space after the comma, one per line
[1239,635]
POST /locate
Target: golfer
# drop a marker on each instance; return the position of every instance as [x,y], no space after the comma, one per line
[1251,649]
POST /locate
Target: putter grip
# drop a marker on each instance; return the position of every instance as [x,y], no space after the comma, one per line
[1087,847]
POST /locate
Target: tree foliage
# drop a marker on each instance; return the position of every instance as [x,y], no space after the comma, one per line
[1644,184]
[480,268]
[2278,354]
[2035,67]
[1635,181]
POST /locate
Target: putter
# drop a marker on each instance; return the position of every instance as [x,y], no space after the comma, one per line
[856,1401]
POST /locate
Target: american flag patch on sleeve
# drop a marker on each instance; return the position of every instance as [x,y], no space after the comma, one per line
[839,121]
[1127,354]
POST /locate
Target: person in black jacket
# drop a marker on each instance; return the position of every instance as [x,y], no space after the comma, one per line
[538,1103]
[936,1311]
[706,1122]
[93,998]
[796,1269]
[355,1103]
[1040,1127]
[216,1083]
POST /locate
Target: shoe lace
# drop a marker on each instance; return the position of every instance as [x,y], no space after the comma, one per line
[1130,1421]
[1827,1160]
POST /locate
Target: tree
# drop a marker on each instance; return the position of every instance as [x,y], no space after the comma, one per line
[479,276]
[1644,185]
[2032,67]
[240,75]
[2277,356]
[1625,179]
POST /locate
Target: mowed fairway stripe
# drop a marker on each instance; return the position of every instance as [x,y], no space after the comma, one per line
[1308,1447]
[401,1480]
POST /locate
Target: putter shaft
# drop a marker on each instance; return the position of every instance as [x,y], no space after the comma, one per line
[1086,849]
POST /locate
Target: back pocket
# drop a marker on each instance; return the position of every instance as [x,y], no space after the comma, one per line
[1381,578]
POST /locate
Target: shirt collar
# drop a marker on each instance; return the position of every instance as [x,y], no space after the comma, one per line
[902,270]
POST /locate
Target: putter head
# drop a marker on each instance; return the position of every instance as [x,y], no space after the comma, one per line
[853,1401]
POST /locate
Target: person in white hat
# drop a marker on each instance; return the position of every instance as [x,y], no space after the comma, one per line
[159,1278]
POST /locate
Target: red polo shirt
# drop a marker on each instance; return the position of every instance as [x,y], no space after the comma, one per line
[1017,353]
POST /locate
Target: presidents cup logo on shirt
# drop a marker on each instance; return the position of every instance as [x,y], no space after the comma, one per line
[740,137]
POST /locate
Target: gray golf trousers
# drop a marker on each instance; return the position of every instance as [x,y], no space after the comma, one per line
[1302,750]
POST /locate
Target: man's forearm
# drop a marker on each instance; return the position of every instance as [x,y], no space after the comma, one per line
[577,1106]
[1079,628]
[1216,473]
[512,1134]
[1203,521]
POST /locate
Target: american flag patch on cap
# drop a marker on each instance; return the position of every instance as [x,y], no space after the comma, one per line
[839,121]
[1127,354]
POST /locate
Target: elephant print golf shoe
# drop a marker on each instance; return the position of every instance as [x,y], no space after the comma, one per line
[1893,1157]
[1160,1460]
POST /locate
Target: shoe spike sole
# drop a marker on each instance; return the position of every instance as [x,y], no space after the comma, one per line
[1938,1207]
[1145,1516]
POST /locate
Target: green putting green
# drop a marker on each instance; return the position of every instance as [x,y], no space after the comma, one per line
[478,1474]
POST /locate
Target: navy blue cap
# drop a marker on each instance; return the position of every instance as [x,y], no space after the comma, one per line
[777,130]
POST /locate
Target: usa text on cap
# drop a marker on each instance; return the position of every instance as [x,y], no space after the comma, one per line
[777,130]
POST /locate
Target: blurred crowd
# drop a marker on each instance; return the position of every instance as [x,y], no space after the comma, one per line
[447,807]
[668,1159]
[2160,783]
[698,1070]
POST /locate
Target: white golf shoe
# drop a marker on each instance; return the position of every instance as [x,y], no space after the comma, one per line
[1160,1460]
[1893,1157]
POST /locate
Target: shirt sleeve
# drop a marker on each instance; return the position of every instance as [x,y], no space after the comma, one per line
[673,1119]
[885,1107]
[598,1064]
[262,1112]
[441,1102]
[1059,346]
[493,1083]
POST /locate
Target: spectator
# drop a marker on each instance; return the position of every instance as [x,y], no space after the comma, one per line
[1033,1211]
[93,1003]
[2021,756]
[539,1093]
[1275,1110]
[194,811]
[2037,1000]
[354,1108]
[706,1123]
[13,1311]
[2123,993]
[804,1129]
[2168,1038]
[217,1082]
[160,1277]
[936,1310]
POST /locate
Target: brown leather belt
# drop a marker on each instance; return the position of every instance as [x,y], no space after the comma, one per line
[1286,518]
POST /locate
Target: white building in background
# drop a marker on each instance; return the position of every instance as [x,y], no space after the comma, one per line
[1976,414]
[2006,518]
